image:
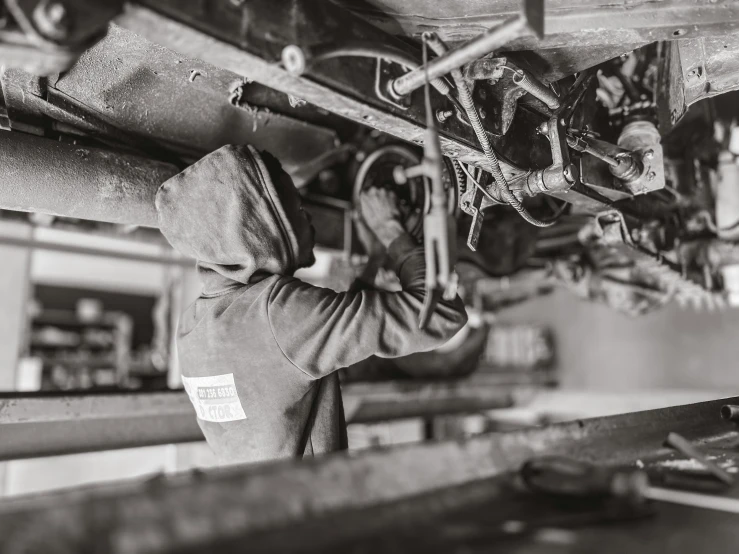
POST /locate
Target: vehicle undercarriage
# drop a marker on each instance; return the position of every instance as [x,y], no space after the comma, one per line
[589,145]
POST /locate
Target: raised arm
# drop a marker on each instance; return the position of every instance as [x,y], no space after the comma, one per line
[321,331]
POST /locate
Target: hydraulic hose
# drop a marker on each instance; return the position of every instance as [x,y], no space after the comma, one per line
[465,98]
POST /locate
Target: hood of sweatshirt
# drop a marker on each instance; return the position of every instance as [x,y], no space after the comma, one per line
[239,222]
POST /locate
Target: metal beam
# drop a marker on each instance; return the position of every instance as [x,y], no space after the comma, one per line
[237,506]
[42,175]
[43,424]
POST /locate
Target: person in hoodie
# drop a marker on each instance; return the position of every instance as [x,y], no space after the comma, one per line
[259,350]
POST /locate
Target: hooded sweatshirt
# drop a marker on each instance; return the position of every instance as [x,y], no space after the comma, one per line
[259,349]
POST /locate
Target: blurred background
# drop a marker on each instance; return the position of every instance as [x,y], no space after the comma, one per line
[93,307]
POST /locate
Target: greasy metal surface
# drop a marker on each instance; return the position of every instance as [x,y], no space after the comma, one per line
[333,92]
[42,175]
[568,23]
[186,105]
[352,503]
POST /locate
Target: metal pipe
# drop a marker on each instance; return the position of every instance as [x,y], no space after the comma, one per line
[166,258]
[50,424]
[485,43]
[47,176]
[730,412]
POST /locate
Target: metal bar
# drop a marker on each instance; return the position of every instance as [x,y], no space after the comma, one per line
[171,513]
[488,41]
[43,424]
[369,403]
[164,259]
[33,425]
[42,175]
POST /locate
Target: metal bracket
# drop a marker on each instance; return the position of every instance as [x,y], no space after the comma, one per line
[562,174]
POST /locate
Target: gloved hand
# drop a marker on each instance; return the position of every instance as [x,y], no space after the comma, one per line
[379,208]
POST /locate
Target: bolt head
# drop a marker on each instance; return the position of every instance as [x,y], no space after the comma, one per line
[649,154]
[483,113]
[293,58]
[482,93]
[651,176]
[543,129]
[399,175]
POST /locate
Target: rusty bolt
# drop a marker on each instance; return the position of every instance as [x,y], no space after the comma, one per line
[52,19]
[443,115]
[649,154]
[651,175]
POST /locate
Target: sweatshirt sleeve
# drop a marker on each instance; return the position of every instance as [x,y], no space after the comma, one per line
[320,330]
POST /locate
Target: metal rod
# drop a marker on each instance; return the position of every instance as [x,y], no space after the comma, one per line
[694,499]
[163,259]
[613,162]
[476,48]
[730,412]
[680,444]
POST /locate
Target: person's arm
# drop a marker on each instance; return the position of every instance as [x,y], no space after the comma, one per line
[321,331]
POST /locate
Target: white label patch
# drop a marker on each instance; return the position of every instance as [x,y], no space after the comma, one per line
[215,398]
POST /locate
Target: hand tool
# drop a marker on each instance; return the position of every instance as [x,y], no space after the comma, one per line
[559,475]
[439,226]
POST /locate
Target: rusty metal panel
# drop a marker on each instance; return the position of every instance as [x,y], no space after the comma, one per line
[710,66]
[567,23]
[185,104]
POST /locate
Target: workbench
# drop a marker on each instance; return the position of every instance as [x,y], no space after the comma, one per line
[453,496]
